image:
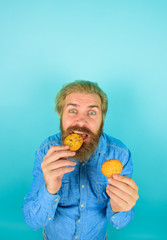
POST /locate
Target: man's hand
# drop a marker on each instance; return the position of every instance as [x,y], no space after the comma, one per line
[55,165]
[123,193]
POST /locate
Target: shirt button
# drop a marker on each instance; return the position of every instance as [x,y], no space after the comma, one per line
[83,164]
[56,199]
[76,236]
[82,205]
[49,218]
[83,186]
[113,217]
[79,220]
[117,227]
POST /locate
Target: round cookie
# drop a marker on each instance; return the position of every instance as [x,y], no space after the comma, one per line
[111,167]
[74,141]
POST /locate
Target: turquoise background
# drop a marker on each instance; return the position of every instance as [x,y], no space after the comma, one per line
[121,45]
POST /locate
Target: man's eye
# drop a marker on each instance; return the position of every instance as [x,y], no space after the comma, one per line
[72,111]
[92,112]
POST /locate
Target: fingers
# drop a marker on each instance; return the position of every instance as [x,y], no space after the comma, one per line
[119,195]
[123,192]
[58,155]
[59,164]
[122,186]
[55,148]
[127,180]
[60,171]
[56,159]
[118,204]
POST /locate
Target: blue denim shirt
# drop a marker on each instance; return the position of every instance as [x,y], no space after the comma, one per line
[81,208]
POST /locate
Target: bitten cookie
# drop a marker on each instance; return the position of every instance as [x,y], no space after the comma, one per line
[74,141]
[110,167]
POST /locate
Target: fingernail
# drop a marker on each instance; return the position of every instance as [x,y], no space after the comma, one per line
[110,180]
[115,176]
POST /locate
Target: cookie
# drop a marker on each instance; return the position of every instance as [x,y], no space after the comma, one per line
[74,141]
[111,166]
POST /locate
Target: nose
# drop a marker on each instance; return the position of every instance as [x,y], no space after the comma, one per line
[81,121]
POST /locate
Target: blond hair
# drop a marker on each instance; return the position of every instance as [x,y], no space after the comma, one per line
[81,86]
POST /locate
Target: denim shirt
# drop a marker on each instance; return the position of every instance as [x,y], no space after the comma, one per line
[81,208]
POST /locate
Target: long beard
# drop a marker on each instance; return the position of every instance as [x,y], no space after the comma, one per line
[88,147]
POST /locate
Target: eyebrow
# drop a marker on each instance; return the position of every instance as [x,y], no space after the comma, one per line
[72,104]
[94,106]
[76,105]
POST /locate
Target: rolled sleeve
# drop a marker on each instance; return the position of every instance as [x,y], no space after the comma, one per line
[119,220]
[46,199]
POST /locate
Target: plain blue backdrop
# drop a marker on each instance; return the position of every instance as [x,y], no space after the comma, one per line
[121,45]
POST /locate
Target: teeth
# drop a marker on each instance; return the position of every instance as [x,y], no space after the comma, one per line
[78,132]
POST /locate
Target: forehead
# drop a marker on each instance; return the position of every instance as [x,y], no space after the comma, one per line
[83,99]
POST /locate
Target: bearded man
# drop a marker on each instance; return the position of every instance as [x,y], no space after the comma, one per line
[70,198]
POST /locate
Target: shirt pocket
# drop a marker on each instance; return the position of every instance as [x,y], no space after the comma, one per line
[101,191]
[64,192]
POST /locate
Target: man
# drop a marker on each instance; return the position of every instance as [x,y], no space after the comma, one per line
[70,197]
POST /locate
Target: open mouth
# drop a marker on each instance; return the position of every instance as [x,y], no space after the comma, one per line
[83,135]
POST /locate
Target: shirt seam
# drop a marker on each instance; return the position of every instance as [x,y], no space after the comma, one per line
[122,149]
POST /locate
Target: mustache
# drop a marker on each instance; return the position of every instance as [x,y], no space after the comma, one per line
[80,129]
